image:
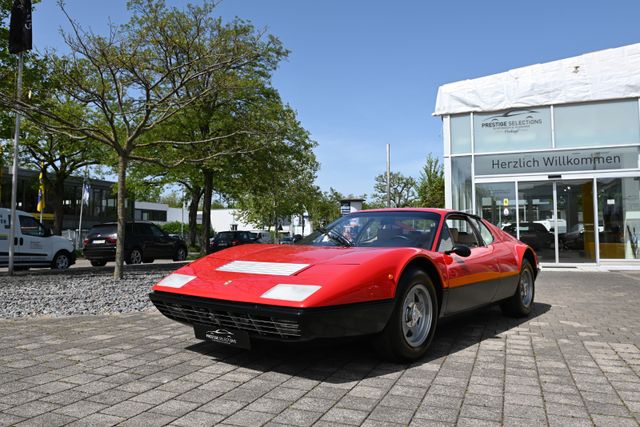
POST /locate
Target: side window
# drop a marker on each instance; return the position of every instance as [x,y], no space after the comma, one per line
[446,242]
[142,229]
[29,226]
[156,231]
[462,232]
[485,233]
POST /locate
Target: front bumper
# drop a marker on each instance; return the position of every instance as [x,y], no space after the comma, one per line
[274,322]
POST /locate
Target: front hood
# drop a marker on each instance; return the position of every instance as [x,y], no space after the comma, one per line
[299,254]
[344,275]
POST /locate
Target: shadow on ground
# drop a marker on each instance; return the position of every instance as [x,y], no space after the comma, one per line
[313,360]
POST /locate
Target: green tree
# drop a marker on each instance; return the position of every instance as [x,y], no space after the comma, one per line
[136,78]
[430,185]
[402,190]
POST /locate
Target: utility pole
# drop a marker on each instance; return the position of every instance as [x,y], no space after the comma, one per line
[388,175]
[14,172]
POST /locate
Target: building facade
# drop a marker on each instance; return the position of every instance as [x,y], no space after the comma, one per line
[554,145]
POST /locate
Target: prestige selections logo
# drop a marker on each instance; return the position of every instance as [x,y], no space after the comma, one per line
[512,121]
[222,336]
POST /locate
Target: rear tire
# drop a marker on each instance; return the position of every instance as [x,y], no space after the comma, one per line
[98,263]
[520,304]
[61,261]
[413,321]
[135,256]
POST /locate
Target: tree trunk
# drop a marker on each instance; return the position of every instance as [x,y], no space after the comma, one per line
[57,190]
[206,211]
[196,194]
[122,176]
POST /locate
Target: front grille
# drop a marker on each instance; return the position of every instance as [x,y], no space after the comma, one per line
[255,324]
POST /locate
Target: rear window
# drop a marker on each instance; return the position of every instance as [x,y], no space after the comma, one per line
[102,230]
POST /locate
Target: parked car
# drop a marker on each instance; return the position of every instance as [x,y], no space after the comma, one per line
[35,246]
[262,236]
[290,240]
[533,234]
[143,242]
[227,239]
[574,238]
[390,274]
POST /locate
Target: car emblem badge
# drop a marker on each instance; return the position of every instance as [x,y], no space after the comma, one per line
[228,282]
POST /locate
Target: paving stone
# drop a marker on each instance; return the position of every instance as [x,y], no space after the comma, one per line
[244,417]
[198,419]
[98,420]
[80,409]
[148,419]
[47,420]
[32,409]
[344,415]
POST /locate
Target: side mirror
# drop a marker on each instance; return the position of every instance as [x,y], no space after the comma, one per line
[460,250]
[47,232]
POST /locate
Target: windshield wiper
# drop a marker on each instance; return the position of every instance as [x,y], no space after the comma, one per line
[336,237]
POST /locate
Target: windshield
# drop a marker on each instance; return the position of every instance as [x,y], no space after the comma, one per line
[378,229]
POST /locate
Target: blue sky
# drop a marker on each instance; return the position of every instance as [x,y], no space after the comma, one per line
[362,74]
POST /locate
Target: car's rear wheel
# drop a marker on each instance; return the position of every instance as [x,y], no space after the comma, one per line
[413,322]
[61,261]
[135,256]
[519,305]
[98,263]
[181,254]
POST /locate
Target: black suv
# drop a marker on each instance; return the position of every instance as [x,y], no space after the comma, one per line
[143,242]
[226,239]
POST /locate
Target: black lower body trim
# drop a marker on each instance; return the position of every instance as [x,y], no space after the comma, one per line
[277,323]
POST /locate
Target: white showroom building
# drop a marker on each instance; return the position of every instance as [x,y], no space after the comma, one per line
[550,150]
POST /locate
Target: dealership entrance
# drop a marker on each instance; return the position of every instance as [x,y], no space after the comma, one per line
[558,217]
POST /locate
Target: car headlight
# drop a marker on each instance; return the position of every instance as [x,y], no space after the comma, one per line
[287,292]
[176,280]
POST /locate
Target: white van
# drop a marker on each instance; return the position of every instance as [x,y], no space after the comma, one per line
[34,244]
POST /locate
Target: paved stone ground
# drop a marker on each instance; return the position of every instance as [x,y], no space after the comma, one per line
[576,361]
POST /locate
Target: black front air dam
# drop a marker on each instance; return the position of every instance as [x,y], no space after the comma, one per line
[275,322]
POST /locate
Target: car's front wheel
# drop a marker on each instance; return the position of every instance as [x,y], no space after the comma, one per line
[61,261]
[135,256]
[519,305]
[413,321]
[181,254]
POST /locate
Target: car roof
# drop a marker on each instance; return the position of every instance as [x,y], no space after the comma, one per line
[440,211]
[127,222]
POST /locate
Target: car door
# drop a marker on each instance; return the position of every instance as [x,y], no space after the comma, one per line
[162,242]
[33,245]
[145,234]
[472,280]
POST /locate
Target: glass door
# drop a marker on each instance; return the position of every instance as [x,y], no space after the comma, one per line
[536,218]
[496,202]
[575,222]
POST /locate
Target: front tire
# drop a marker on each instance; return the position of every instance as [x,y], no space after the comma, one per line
[520,304]
[135,256]
[181,254]
[412,324]
[61,261]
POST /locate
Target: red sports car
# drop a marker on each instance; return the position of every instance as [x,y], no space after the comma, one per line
[387,273]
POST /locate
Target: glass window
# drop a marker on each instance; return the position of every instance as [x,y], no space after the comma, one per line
[460,133]
[496,203]
[446,243]
[379,229]
[29,226]
[512,130]
[156,231]
[487,237]
[462,232]
[461,183]
[619,218]
[598,123]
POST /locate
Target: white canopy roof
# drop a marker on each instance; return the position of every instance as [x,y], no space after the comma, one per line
[606,74]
